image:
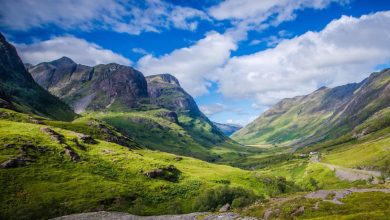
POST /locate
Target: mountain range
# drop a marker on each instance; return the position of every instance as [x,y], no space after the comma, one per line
[325,114]
[82,139]
[136,105]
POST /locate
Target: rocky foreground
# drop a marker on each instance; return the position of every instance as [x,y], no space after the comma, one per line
[124,216]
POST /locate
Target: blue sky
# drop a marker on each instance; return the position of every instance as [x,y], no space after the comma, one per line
[235,57]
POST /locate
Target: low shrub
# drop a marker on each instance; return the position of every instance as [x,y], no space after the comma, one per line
[214,198]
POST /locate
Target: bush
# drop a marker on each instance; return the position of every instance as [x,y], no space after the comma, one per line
[213,199]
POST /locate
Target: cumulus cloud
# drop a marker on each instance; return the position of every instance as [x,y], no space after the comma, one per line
[346,50]
[139,51]
[80,50]
[254,14]
[193,66]
[133,17]
[216,108]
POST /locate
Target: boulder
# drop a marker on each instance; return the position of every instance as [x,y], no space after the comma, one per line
[169,173]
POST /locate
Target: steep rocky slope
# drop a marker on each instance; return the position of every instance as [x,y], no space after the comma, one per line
[102,87]
[324,114]
[19,91]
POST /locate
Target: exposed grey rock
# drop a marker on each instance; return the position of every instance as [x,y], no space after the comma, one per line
[13,163]
[124,216]
[298,211]
[171,116]
[225,208]
[59,138]
[72,154]
[170,173]
[87,139]
[267,214]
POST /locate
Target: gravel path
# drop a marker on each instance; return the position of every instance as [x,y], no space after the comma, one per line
[339,194]
[349,174]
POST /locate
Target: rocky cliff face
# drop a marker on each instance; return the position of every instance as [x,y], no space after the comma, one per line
[19,91]
[164,90]
[323,114]
[103,87]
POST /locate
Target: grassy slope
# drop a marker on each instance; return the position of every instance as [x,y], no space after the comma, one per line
[367,146]
[372,205]
[108,177]
[191,137]
[288,126]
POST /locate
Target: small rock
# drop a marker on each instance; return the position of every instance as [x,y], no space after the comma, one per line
[178,158]
[267,214]
[298,211]
[225,208]
[54,135]
[169,173]
[87,139]
[13,163]
[72,154]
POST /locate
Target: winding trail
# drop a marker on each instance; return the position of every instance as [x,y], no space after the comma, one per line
[349,174]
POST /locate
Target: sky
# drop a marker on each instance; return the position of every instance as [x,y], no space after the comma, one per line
[237,58]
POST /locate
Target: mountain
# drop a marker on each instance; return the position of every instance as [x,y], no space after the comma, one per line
[20,92]
[164,90]
[103,87]
[228,129]
[325,114]
[154,110]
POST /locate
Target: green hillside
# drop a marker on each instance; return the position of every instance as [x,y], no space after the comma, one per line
[18,90]
[49,171]
[322,115]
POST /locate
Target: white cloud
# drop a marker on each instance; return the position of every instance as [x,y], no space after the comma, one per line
[193,65]
[77,49]
[133,17]
[216,108]
[346,50]
[139,51]
[255,14]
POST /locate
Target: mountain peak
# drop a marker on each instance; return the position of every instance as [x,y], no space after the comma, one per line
[163,78]
[321,88]
[63,60]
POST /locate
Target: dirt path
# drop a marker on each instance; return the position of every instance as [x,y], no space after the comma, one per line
[349,174]
[335,195]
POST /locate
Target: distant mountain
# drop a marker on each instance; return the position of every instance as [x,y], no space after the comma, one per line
[322,115]
[20,92]
[228,129]
[154,110]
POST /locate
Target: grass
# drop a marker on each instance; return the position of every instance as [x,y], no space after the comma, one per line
[192,137]
[372,205]
[108,177]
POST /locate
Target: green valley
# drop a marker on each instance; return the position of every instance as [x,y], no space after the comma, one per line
[107,142]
